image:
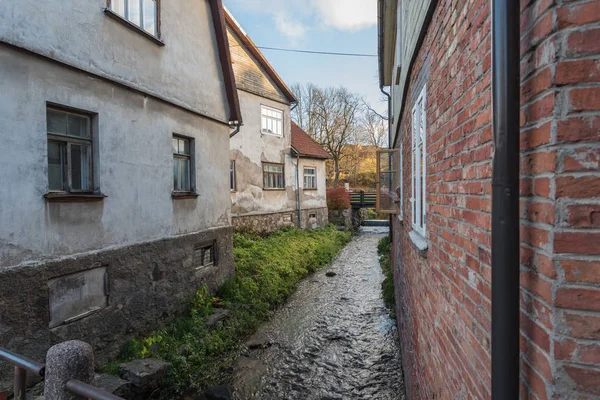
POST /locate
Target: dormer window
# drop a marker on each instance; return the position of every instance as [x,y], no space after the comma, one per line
[272,121]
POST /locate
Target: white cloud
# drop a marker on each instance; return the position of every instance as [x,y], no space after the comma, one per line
[347,14]
[293,18]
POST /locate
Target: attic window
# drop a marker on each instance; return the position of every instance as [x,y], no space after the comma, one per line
[272,121]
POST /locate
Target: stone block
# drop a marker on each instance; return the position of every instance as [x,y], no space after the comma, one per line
[113,385]
[145,375]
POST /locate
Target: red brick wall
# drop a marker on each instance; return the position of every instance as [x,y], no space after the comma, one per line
[444,294]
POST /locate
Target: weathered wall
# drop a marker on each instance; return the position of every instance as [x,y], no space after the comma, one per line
[250,148]
[311,198]
[150,285]
[186,70]
[444,292]
[135,166]
[250,76]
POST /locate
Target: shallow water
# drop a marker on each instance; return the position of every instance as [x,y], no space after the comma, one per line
[332,340]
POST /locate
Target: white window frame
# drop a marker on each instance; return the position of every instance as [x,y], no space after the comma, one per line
[275,176]
[313,175]
[142,22]
[265,119]
[419,163]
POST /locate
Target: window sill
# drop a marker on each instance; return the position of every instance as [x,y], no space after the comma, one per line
[313,189]
[133,27]
[64,197]
[420,243]
[270,134]
[184,195]
[274,189]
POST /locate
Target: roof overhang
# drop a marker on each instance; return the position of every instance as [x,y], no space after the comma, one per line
[298,154]
[386,22]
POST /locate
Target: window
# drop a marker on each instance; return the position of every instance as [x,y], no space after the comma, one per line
[387,184]
[143,13]
[310,178]
[232,175]
[204,255]
[272,121]
[312,216]
[419,120]
[69,151]
[273,176]
[182,164]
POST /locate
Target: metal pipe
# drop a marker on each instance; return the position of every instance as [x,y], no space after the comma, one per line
[20,383]
[88,391]
[22,362]
[235,132]
[505,200]
[298,190]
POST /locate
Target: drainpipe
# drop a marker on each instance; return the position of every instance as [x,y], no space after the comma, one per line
[298,190]
[505,200]
[390,145]
[237,129]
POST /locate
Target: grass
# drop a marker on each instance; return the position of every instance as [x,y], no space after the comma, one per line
[268,270]
[387,286]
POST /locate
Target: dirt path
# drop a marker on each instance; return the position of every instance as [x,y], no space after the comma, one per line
[333,339]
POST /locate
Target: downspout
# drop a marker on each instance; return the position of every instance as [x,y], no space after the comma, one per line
[298,190]
[505,200]
[237,129]
[390,145]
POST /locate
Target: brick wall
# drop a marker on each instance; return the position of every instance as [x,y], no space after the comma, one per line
[444,293]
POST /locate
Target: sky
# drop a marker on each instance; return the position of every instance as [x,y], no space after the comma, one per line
[342,26]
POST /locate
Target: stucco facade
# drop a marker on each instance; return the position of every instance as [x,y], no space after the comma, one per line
[137,94]
[254,206]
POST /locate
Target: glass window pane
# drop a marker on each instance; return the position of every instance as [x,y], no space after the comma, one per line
[150,16]
[176,185]
[78,126]
[185,175]
[56,122]
[56,164]
[175,145]
[133,12]
[184,147]
[118,6]
[80,167]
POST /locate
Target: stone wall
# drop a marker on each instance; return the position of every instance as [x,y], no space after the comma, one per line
[147,286]
[269,222]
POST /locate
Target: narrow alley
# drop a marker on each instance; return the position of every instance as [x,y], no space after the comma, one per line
[332,340]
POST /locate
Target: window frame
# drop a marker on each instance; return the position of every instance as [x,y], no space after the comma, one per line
[282,174]
[192,159]
[69,141]
[419,173]
[262,115]
[397,171]
[232,176]
[156,37]
[304,168]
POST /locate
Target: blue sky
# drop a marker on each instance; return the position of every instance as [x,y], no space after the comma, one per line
[347,26]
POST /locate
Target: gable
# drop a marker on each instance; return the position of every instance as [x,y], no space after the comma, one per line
[250,76]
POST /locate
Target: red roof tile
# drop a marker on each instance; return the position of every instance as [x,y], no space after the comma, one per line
[305,145]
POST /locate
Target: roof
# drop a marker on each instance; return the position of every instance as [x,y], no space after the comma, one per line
[305,146]
[235,113]
[256,53]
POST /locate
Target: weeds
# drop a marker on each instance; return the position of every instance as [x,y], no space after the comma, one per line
[268,270]
[387,286]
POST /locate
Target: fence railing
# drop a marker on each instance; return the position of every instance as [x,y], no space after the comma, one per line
[23,365]
[363,199]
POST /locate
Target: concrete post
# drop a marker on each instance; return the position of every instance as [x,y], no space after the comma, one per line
[68,360]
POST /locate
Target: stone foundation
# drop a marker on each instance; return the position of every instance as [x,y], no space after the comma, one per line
[269,222]
[314,218]
[350,218]
[144,287]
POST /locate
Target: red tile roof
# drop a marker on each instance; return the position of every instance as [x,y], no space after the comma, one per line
[305,146]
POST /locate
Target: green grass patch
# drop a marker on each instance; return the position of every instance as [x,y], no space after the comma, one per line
[387,286]
[268,269]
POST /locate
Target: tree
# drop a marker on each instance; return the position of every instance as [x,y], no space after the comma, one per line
[330,116]
[374,127]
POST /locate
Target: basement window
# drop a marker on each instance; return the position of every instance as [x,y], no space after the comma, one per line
[204,255]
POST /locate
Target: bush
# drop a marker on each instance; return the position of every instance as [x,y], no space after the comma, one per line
[338,199]
[387,286]
[268,270]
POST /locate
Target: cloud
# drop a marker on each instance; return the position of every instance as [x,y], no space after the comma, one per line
[294,18]
[347,14]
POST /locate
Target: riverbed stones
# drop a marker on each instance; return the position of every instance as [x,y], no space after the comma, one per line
[145,375]
[217,393]
[330,274]
[220,314]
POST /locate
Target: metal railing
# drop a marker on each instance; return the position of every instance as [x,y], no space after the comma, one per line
[23,365]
